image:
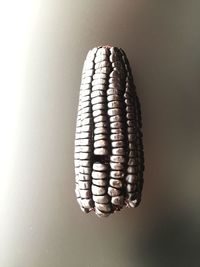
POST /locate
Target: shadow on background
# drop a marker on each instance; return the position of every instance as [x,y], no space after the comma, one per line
[173,240]
[167,75]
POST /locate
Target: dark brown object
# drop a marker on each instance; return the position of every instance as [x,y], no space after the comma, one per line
[109,160]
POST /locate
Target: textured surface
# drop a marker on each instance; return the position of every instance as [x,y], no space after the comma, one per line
[41,224]
[109,160]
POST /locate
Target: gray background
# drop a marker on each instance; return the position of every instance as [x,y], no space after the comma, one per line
[41,224]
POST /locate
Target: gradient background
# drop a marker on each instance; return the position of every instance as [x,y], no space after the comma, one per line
[44,44]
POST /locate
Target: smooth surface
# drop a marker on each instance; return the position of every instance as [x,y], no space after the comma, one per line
[44,46]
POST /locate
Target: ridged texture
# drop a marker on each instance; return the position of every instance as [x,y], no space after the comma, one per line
[109,160]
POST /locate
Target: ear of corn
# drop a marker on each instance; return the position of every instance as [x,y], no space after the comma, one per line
[109,160]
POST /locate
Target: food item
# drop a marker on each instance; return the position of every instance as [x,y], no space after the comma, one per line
[109,161]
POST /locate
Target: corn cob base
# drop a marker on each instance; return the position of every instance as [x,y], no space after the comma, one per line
[109,161]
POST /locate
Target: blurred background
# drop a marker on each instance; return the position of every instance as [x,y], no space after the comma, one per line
[43,46]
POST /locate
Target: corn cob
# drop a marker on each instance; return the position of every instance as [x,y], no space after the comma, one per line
[109,161]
